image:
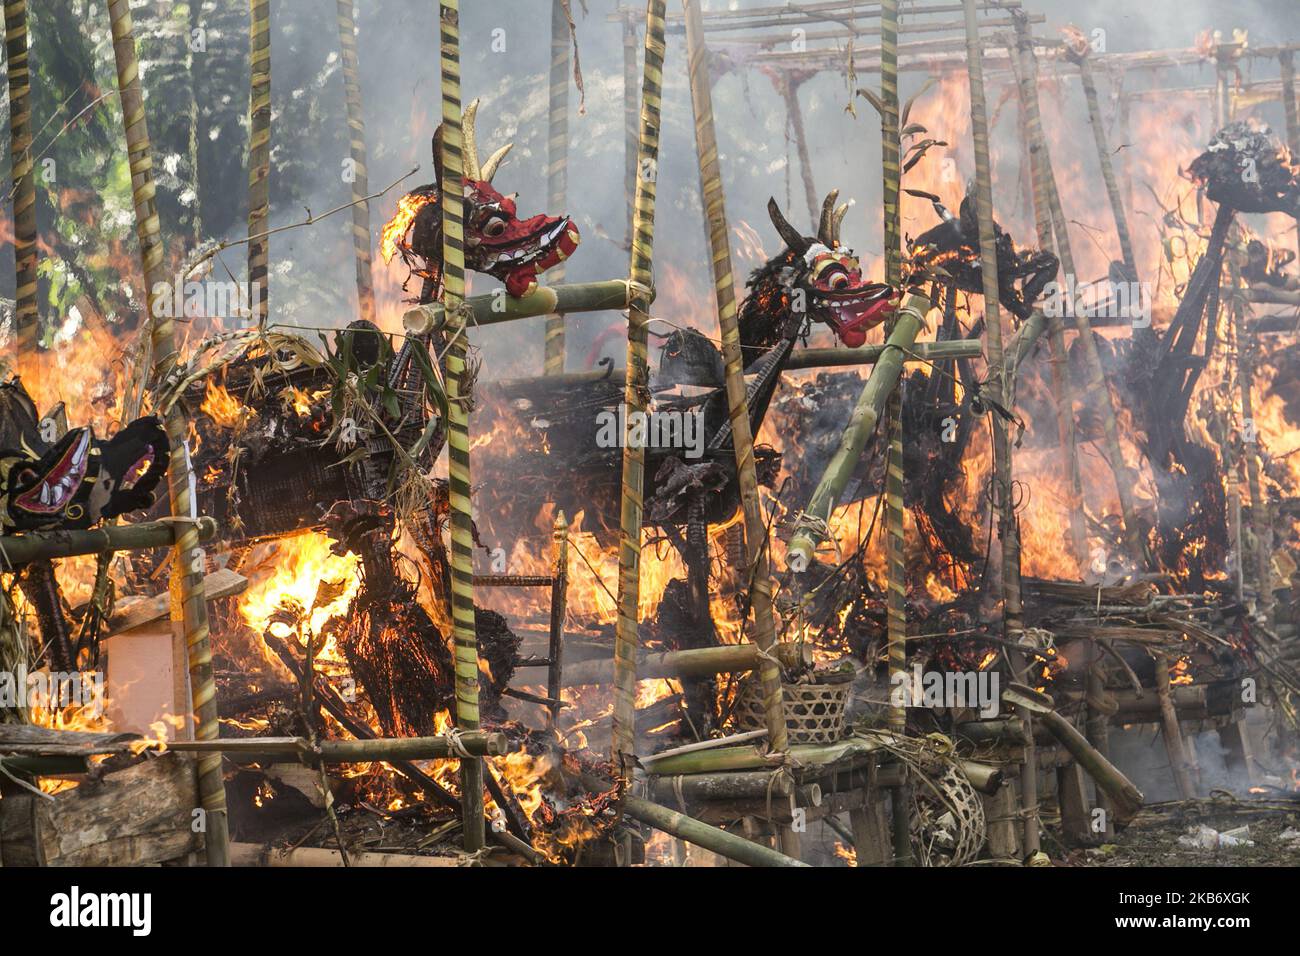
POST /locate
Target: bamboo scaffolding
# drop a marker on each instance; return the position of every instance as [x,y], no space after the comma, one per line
[804,14]
[757,564]
[462,521]
[631,115]
[189,607]
[636,395]
[1174,744]
[557,159]
[259,156]
[357,151]
[1097,385]
[1062,387]
[1008,530]
[788,88]
[27,319]
[559,598]
[810,528]
[1104,157]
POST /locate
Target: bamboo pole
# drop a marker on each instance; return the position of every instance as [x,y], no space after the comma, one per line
[1125,797]
[462,521]
[757,563]
[636,395]
[1286,60]
[895,547]
[475,743]
[494,308]
[1062,387]
[1169,729]
[18,549]
[701,834]
[694,662]
[1080,57]
[189,605]
[789,89]
[810,528]
[557,158]
[630,121]
[27,319]
[259,155]
[1008,530]
[357,151]
[1097,385]
[559,597]
[255,854]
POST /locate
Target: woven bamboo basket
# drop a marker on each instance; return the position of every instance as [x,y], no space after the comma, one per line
[814,712]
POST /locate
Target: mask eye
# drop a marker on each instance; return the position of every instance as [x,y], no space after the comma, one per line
[494,227]
[837,280]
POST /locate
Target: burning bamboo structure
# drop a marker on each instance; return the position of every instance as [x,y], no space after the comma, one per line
[458,400]
[189,609]
[259,156]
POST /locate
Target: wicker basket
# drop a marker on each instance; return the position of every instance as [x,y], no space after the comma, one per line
[814,713]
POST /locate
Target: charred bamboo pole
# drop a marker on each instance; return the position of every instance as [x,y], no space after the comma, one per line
[895,552]
[1062,387]
[703,835]
[743,785]
[1008,530]
[27,319]
[1169,729]
[757,564]
[1286,60]
[492,309]
[1097,385]
[811,528]
[1097,730]
[357,152]
[694,662]
[636,393]
[475,743]
[559,598]
[19,549]
[1261,524]
[1080,58]
[259,155]
[557,159]
[1125,797]
[189,606]
[462,521]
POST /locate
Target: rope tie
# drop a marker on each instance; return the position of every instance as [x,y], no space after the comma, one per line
[457,745]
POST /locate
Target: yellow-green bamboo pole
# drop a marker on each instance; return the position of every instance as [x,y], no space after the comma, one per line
[1124,481]
[259,154]
[557,174]
[1062,387]
[895,538]
[757,562]
[1008,530]
[1080,58]
[189,604]
[630,119]
[462,523]
[636,395]
[357,150]
[27,319]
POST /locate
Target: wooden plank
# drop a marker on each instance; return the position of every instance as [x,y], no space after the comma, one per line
[136,817]
[136,612]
